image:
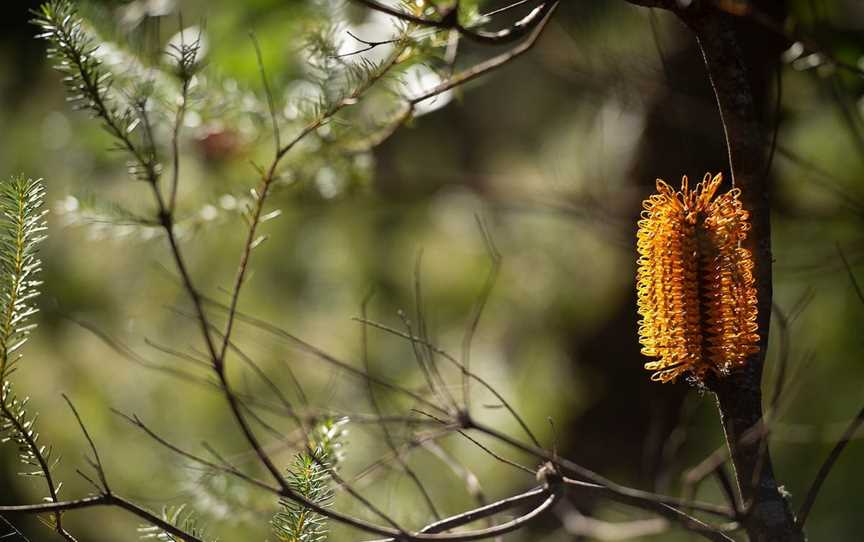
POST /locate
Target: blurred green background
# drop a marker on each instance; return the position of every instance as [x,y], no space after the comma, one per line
[555,151]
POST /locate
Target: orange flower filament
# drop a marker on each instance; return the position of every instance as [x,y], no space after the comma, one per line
[695,288]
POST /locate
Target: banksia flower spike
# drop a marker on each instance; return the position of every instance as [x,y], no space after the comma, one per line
[695,288]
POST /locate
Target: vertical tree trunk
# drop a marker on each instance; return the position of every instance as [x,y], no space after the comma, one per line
[739,396]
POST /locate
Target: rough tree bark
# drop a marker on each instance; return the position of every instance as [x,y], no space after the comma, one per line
[739,397]
[768,516]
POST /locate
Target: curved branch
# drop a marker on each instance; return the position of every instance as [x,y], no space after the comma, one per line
[106,499]
[450,21]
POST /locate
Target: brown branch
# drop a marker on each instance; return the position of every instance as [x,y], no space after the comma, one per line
[575,469]
[491,64]
[106,499]
[450,21]
[435,531]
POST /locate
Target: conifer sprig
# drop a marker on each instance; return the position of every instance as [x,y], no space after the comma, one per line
[22,228]
[309,476]
[18,428]
[89,84]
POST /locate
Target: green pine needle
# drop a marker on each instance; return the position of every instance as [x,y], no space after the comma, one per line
[122,110]
[309,476]
[22,228]
[20,429]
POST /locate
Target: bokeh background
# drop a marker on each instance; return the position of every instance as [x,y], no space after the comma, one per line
[554,151]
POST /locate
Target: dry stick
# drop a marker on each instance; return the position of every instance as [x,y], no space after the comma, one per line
[369,45]
[323,356]
[424,365]
[136,421]
[739,395]
[496,455]
[422,330]
[258,403]
[508,7]
[404,448]
[388,438]
[255,220]
[194,359]
[552,496]
[825,469]
[783,325]
[641,499]
[485,511]
[348,488]
[127,353]
[477,312]
[483,382]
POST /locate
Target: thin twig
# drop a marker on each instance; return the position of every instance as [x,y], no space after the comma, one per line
[826,467]
[388,438]
[449,357]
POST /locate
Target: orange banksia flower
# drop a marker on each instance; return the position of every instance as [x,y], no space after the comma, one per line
[695,287]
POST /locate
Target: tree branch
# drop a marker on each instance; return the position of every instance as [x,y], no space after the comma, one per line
[450,21]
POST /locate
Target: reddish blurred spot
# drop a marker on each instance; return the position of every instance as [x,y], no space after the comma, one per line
[219,144]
